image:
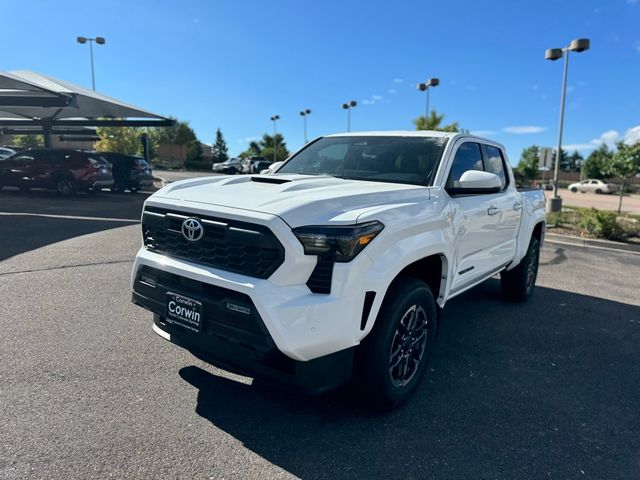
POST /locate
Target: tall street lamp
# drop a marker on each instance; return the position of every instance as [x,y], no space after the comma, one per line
[304,114]
[432,82]
[578,45]
[348,106]
[274,119]
[99,41]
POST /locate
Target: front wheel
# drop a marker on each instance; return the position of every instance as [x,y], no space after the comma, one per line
[65,186]
[574,189]
[393,358]
[599,191]
[518,283]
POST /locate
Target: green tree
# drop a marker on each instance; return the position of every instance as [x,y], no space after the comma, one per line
[125,140]
[266,146]
[595,164]
[27,141]
[433,122]
[625,164]
[220,152]
[180,133]
[528,164]
[571,163]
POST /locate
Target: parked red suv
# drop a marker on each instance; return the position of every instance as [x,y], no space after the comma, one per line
[63,170]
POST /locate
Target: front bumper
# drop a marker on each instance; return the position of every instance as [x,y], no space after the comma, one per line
[234,338]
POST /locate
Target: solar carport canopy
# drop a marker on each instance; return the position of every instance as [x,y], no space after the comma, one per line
[31,99]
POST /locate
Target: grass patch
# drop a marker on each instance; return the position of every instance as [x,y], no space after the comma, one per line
[592,223]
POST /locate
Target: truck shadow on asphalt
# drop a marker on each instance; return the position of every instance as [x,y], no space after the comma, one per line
[31,220]
[550,388]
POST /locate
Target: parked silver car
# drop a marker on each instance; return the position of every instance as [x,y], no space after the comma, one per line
[230,166]
[591,185]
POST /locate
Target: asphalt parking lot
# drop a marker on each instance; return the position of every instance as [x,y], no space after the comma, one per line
[548,389]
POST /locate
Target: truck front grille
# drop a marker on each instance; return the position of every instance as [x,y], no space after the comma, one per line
[230,245]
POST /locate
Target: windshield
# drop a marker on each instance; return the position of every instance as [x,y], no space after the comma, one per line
[411,160]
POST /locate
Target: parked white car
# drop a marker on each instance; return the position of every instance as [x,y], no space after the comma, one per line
[594,186]
[336,266]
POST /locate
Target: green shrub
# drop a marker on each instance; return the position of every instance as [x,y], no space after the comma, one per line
[602,225]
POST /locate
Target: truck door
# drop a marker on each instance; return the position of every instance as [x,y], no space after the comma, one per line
[475,220]
[508,204]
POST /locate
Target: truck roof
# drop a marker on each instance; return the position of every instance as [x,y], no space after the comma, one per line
[396,133]
[415,133]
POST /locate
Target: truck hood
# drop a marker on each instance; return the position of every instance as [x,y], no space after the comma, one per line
[297,199]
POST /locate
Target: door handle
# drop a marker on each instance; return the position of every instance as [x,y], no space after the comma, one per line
[517,205]
[493,210]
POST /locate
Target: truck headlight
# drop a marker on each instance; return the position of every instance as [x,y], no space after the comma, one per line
[345,242]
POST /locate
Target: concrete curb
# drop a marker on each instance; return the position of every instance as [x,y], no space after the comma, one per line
[591,242]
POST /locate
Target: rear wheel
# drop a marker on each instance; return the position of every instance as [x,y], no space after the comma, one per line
[599,191]
[518,283]
[65,186]
[393,358]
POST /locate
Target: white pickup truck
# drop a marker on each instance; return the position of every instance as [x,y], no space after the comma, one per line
[337,265]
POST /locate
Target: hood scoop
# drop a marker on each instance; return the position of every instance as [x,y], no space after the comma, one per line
[272,180]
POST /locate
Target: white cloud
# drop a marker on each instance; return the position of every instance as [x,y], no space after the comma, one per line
[248,139]
[398,80]
[392,91]
[522,129]
[373,100]
[609,138]
[578,146]
[632,135]
[483,133]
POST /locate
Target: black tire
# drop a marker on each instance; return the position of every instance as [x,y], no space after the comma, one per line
[24,189]
[574,189]
[65,186]
[598,191]
[394,341]
[518,283]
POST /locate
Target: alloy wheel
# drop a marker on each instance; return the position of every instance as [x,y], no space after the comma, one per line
[408,345]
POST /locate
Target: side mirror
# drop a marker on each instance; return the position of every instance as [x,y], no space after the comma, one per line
[274,166]
[476,181]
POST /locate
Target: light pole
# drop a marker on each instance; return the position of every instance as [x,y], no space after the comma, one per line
[348,106]
[304,114]
[274,119]
[432,82]
[99,41]
[554,204]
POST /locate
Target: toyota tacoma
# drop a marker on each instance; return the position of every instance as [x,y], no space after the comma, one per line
[336,266]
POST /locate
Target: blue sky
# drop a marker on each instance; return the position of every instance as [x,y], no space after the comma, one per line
[233,64]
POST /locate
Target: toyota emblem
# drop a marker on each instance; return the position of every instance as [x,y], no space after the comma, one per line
[192,229]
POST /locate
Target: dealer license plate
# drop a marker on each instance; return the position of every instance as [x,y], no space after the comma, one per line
[184,311]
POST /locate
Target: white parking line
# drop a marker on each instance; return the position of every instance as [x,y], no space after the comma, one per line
[70,217]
